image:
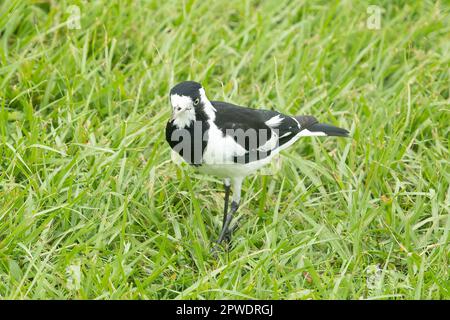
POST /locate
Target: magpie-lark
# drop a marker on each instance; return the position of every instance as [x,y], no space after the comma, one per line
[230,141]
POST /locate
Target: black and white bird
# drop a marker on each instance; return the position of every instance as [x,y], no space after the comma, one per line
[231,141]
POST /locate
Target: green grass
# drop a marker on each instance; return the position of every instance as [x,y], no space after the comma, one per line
[91,205]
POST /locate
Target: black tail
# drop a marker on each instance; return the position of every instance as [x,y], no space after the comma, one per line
[328,129]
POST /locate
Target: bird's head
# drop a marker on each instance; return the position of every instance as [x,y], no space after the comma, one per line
[189,102]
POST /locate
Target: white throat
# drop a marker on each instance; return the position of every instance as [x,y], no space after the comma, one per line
[184,119]
[183,110]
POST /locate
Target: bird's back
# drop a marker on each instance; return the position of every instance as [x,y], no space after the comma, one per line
[230,116]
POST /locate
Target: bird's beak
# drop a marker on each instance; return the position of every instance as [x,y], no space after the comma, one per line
[178,110]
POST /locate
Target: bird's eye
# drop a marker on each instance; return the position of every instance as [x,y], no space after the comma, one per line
[196,101]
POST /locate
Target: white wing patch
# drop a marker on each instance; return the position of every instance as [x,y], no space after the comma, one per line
[307,133]
[274,121]
[298,123]
[286,134]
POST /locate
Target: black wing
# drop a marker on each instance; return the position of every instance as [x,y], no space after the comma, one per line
[250,129]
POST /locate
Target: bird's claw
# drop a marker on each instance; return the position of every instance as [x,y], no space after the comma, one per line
[227,237]
[218,246]
[214,251]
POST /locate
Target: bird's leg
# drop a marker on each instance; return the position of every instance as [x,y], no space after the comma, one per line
[227,186]
[232,229]
[225,233]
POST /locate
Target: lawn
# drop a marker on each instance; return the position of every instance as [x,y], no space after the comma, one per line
[93,207]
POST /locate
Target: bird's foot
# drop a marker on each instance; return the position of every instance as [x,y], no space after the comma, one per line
[227,237]
[216,249]
[221,245]
[231,230]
